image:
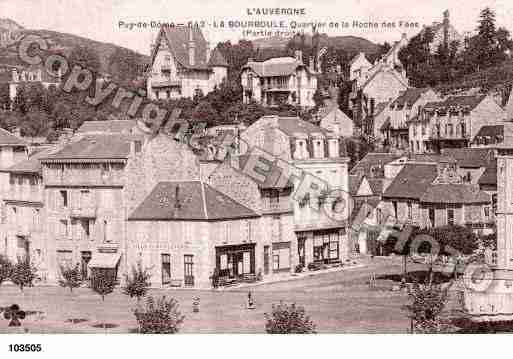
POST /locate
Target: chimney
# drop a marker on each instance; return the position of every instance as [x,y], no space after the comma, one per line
[298,54]
[192,48]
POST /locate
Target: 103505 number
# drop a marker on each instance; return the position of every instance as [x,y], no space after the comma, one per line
[25,347]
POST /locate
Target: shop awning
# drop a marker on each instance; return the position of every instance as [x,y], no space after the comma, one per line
[104,260]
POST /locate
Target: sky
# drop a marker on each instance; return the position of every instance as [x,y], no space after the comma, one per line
[99,19]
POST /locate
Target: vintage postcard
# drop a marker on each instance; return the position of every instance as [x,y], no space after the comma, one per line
[257,167]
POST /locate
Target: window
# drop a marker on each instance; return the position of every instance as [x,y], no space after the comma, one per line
[326,247]
[423,130]
[64,198]
[85,227]
[410,210]
[394,204]
[106,238]
[65,258]
[37,219]
[432,217]
[63,228]
[281,256]
[188,262]
[487,212]
[450,216]
[166,268]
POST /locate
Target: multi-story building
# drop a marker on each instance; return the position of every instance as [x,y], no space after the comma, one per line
[23,217]
[183,65]
[455,121]
[401,129]
[315,152]
[379,84]
[84,186]
[444,33]
[433,194]
[280,80]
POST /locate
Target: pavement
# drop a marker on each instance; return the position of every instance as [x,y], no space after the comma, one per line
[338,301]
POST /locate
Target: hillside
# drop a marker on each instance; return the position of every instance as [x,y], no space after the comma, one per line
[351,44]
[63,42]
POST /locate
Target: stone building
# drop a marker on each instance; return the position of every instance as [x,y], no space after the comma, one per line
[444,33]
[183,65]
[23,212]
[455,121]
[401,129]
[433,194]
[279,80]
[320,157]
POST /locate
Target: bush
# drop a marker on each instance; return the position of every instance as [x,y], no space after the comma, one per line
[288,319]
[137,285]
[5,268]
[159,317]
[428,302]
[71,277]
[490,241]
[23,273]
[103,282]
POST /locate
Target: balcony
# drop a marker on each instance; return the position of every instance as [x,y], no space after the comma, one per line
[88,211]
[277,86]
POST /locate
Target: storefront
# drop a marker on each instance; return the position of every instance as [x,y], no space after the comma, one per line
[235,262]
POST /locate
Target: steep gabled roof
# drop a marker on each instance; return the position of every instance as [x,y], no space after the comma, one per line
[177,38]
[412,181]
[454,194]
[189,201]
[217,59]
[32,165]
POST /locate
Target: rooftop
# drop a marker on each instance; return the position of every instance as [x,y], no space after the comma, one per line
[189,200]
[454,194]
[108,126]
[278,66]
[412,181]
[8,139]
[371,160]
[469,157]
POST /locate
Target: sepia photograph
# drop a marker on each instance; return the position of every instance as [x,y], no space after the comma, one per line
[269,167]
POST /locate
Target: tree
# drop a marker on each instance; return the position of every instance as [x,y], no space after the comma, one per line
[71,277]
[5,269]
[159,317]
[427,303]
[204,112]
[288,319]
[103,282]
[85,57]
[137,285]
[23,273]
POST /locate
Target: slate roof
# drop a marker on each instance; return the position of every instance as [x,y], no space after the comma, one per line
[398,76]
[409,97]
[469,157]
[278,66]
[32,165]
[196,201]
[8,139]
[370,203]
[293,125]
[412,181]
[217,59]
[372,159]
[108,126]
[95,147]
[489,176]
[177,38]
[468,101]
[490,131]
[454,194]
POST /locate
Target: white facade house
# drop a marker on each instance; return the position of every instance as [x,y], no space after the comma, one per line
[182,64]
[279,80]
